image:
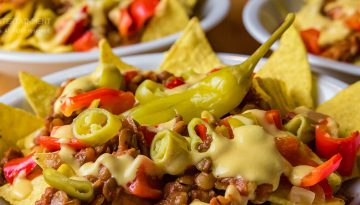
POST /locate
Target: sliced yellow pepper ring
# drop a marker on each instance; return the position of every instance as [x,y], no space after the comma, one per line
[96,126]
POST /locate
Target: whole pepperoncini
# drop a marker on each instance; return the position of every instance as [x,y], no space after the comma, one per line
[218,93]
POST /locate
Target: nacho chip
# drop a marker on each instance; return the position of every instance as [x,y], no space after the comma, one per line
[16,124]
[108,57]
[188,5]
[344,108]
[274,92]
[191,52]
[289,64]
[38,93]
[39,186]
[170,17]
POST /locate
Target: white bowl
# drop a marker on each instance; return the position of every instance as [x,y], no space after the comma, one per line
[262,17]
[212,13]
[327,86]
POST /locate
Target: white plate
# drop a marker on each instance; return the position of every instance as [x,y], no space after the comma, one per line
[327,86]
[212,13]
[261,17]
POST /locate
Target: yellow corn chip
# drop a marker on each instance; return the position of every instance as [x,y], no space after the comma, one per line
[38,188]
[170,17]
[16,124]
[191,53]
[344,108]
[108,57]
[289,64]
[188,5]
[38,93]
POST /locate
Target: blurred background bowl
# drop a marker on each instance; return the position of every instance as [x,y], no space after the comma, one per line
[211,13]
[262,17]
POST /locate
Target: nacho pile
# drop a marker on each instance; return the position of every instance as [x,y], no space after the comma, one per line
[64,26]
[194,131]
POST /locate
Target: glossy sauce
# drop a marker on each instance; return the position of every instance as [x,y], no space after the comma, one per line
[22,187]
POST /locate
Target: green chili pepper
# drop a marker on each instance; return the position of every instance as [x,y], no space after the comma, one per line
[82,190]
[301,127]
[108,76]
[66,170]
[96,126]
[148,91]
[218,93]
[171,151]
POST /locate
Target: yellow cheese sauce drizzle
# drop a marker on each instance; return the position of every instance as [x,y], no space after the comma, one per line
[22,187]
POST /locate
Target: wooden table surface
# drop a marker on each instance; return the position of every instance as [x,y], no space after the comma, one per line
[229,36]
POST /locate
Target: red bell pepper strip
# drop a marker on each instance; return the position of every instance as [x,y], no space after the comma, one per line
[86,42]
[53,144]
[327,145]
[133,18]
[201,130]
[14,167]
[311,40]
[274,117]
[115,101]
[322,171]
[353,22]
[143,186]
[174,82]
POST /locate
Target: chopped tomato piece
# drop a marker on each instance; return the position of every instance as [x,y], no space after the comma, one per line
[86,42]
[174,82]
[322,171]
[148,135]
[311,40]
[54,144]
[353,21]
[201,130]
[13,168]
[144,186]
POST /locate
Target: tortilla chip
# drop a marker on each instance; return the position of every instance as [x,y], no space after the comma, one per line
[188,5]
[191,53]
[38,93]
[289,64]
[39,186]
[170,17]
[344,108]
[274,92]
[108,57]
[16,124]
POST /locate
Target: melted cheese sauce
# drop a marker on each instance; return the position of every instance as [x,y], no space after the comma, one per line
[123,168]
[22,187]
[66,154]
[251,155]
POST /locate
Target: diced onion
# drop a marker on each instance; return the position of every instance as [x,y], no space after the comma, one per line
[302,196]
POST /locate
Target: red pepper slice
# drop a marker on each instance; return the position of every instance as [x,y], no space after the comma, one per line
[143,186]
[322,171]
[274,117]
[326,146]
[311,40]
[53,144]
[174,82]
[353,21]
[133,18]
[201,130]
[14,167]
[115,101]
[328,191]
[86,42]
[225,122]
